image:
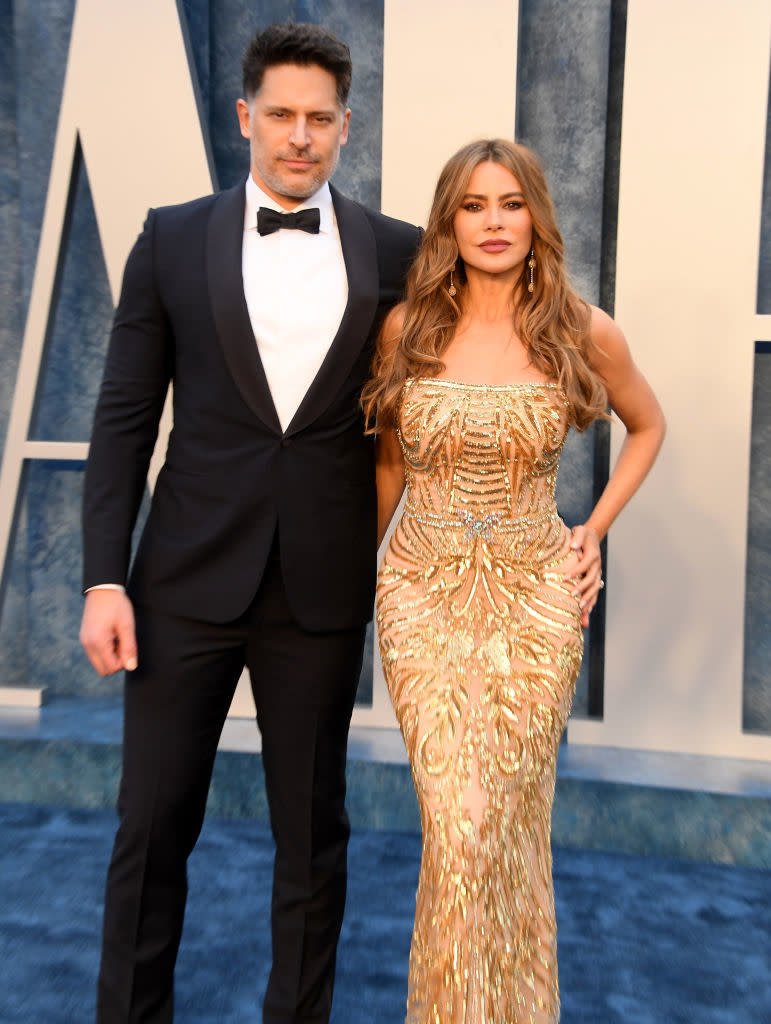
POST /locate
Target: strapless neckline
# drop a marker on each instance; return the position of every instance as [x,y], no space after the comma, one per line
[462,384]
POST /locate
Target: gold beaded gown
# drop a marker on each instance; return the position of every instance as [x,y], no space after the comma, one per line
[481,643]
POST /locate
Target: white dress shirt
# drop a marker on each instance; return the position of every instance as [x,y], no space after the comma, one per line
[296,291]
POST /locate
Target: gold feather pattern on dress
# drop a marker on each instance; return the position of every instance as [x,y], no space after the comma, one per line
[481,642]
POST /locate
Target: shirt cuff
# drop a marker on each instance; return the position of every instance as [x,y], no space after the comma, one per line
[106,586]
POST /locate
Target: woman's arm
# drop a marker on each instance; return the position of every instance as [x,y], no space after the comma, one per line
[631,398]
[633,401]
[389,474]
[389,459]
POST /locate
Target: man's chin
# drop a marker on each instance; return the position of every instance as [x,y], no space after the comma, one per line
[300,193]
[296,189]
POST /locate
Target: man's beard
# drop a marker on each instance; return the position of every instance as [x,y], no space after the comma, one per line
[283,185]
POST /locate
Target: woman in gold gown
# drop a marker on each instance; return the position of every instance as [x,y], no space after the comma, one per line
[484,590]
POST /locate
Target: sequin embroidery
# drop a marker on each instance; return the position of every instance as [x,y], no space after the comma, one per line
[481,644]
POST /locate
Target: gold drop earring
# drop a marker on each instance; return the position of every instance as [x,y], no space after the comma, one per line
[452,291]
[531,267]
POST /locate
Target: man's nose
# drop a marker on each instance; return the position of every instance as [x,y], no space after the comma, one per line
[300,137]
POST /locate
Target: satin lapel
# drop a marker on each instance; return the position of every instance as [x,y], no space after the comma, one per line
[360,255]
[226,293]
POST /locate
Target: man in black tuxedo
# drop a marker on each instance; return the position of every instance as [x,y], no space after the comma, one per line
[260,545]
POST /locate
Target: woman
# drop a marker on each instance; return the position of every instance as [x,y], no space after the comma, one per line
[484,590]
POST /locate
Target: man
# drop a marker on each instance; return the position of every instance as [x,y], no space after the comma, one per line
[260,545]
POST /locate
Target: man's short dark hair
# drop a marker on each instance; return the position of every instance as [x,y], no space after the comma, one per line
[296,43]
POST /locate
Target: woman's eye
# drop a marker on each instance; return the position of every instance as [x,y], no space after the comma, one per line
[472,207]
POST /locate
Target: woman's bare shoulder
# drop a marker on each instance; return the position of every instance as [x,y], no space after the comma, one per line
[608,340]
[394,321]
[391,328]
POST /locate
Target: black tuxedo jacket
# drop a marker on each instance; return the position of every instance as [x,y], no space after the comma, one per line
[231,475]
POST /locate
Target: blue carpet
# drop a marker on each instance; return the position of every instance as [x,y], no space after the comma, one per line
[641,940]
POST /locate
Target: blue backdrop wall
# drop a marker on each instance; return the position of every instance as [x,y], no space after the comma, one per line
[569,95]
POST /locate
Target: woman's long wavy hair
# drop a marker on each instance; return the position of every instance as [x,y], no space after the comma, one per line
[551,321]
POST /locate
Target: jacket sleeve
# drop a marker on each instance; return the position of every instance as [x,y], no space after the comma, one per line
[136,378]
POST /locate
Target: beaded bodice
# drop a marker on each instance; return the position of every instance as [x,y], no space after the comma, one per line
[480,453]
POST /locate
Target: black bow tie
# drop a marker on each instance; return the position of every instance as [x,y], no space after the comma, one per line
[269,220]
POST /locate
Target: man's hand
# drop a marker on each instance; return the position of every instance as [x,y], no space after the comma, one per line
[107,631]
[588,570]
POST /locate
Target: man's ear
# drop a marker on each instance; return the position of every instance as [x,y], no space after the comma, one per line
[244,117]
[344,129]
